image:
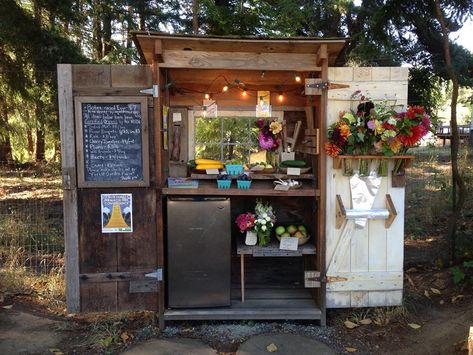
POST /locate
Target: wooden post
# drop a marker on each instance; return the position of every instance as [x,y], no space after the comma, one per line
[322,59]
[69,182]
[158,139]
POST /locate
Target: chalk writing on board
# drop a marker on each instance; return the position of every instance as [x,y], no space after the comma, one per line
[112,141]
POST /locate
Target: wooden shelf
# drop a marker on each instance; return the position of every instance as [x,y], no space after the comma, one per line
[259,176]
[337,161]
[258,188]
[272,250]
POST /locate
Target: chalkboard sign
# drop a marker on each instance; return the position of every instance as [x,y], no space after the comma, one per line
[112,141]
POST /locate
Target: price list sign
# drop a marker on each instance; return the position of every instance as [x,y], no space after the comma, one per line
[112,142]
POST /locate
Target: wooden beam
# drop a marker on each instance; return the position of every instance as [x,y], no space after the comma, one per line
[239,60]
[392,211]
[158,50]
[69,178]
[322,54]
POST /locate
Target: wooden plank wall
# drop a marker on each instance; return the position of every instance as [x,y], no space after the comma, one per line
[373,251]
[100,255]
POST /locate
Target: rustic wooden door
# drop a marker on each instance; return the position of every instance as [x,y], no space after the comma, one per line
[106,271]
[364,267]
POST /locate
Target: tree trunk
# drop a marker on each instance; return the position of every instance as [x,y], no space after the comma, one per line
[107,29]
[29,137]
[130,27]
[458,185]
[5,144]
[97,32]
[40,145]
[195,16]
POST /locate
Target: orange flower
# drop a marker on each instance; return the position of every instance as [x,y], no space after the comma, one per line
[395,144]
[344,130]
[332,149]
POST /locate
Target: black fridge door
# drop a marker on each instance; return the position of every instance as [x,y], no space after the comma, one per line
[198,252]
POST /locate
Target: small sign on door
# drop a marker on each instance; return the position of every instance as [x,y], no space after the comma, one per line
[117,213]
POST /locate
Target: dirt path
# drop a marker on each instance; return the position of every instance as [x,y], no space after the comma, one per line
[444,331]
[25,333]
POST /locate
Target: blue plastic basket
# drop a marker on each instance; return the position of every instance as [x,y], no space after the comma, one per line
[224,184]
[243,184]
[234,169]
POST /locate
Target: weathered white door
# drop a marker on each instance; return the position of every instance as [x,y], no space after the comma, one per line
[364,266]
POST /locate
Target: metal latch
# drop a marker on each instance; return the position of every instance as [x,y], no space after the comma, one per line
[158,275]
[151,91]
[326,279]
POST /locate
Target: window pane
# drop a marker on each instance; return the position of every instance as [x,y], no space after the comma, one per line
[235,130]
[207,150]
[207,130]
[235,152]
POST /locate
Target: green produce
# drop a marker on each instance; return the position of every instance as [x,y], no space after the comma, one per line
[291,229]
[280,230]
[293,164]
[285,235]
[299,234]
[302,229]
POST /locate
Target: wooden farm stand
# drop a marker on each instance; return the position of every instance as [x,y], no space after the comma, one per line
[106,271]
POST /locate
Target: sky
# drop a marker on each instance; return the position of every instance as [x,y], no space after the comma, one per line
[465,35]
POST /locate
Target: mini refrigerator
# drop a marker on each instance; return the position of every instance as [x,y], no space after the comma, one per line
[198,252]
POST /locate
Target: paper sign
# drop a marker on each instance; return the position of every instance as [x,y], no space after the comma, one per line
[117,213]
[210,108]
[282,187]
[263,108]
[287,156]
[176,117]
[211,171]
[289,243]
[293,171]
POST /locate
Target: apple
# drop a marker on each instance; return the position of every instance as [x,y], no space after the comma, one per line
[285,235]
[302,229]
[280,230]
[291,229]
[299,234]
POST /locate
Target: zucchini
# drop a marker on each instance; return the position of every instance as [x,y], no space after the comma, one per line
[207,161]
[294,164]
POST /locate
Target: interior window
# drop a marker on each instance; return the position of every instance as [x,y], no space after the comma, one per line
[227,138]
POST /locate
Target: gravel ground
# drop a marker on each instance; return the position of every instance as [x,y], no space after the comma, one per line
[227,337]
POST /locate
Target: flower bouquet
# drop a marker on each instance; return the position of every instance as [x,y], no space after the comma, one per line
[377,130]
[261,222]
[269,138]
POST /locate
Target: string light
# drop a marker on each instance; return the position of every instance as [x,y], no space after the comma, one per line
[297,78]
[207,96]
[225,88]
[280,97]
[244,93]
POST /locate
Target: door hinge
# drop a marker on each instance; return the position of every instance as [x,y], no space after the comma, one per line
[151,91]
[326,279]
[158,275]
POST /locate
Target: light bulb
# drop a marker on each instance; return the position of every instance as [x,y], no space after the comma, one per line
[207,96]
[225,88]
[297,78]
[280,97]
[244,93]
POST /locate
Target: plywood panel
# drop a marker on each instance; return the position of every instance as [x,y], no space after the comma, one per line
[97,251]
[377,298]
[139,76]
[137,250]
[394,298]
[135,301]
[91,76]
[239,60]
[99,297]
[359,299]
[338,299]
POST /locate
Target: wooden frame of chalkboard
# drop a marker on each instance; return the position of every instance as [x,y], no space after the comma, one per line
[112,150]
